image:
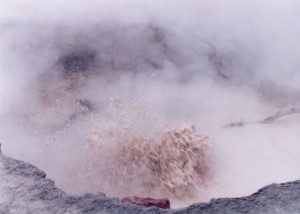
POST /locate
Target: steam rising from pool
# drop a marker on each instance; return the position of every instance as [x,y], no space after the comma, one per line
[130,97]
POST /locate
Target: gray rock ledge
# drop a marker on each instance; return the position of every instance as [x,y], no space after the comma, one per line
[25,189]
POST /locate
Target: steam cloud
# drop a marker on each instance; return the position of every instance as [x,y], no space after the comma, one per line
[202,63]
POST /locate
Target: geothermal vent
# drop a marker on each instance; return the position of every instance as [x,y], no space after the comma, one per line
[153,102]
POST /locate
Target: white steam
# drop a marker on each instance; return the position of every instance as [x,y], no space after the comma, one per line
[207,63]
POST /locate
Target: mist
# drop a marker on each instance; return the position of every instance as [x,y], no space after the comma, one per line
[71,71]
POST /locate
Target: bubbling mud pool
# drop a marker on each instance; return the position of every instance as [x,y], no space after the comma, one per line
[128,97]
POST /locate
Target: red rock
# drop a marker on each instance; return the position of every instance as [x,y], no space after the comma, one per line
[147,202]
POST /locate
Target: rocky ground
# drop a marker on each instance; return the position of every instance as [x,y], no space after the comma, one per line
[25,189]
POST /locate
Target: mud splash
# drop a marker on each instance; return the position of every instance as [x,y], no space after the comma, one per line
[143,157]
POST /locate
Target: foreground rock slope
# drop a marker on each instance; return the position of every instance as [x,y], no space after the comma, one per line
[25,189]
